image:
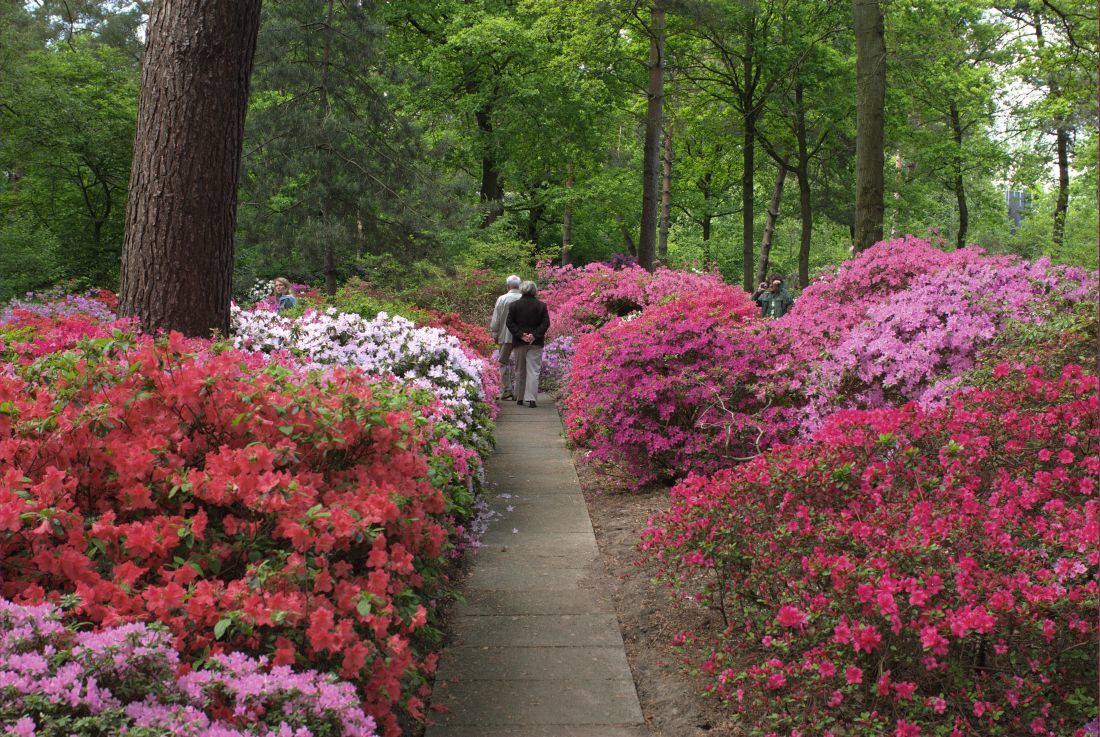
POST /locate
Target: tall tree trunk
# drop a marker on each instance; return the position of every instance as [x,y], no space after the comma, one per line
[330,257]
[769,225]
[628,240]
[1061,148]
[1061,206]
[870,120]
[655,94]
[666,197]
[492,188]
[748,225]
[960,192]
[803,174]
[177,253]
[567,222]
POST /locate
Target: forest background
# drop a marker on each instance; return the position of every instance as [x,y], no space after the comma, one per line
[408,141]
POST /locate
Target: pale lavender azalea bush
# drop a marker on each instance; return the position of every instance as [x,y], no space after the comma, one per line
[914,344]
[123,680]
[424,357]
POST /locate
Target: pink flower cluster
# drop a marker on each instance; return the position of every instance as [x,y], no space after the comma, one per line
[674,387]
[124,679]
[582,299]
[911,571]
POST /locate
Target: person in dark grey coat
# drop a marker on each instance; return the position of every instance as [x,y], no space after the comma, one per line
[528,321]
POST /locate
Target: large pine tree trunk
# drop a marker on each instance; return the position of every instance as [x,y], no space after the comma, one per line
[748,160]
[769,225]
[870,120]
[666,196]
[651,157]
[177,254]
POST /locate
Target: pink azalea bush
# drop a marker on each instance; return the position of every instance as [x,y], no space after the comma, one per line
[125,680]
[672,389]
[936,328]
[909,572]
[581,299]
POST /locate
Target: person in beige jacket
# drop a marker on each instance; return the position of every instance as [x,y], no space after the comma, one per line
[498,327]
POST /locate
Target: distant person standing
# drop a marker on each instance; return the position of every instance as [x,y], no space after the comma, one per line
[284,294]
[498,327]
[528,321]
[773,297]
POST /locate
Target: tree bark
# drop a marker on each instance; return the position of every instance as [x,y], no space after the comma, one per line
[177,254]
[666,197]
[960,192]
[647,239]
[628,240]
[748,225]
[492,188]
[870,121]
[567,222]
[803,174]
[1061,205]
[769,225]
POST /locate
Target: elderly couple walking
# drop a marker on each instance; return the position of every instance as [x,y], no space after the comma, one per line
[519,326]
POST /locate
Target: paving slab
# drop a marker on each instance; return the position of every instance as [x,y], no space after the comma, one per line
[532,663]
[480,602]
[548,730]
[536,649]
[541,630]
[512,703]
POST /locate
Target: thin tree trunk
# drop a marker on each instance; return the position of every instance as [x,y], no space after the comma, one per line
[666,197]
[628,240]
[177,253]
[960,192]
[748,225]
[870,121]
[651,155]
[567,222]
[1061,147]
[492,188]
[1061,206]
[769,225]
[330,257]
[803,174]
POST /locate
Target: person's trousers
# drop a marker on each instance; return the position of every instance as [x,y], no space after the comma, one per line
[528,367]
[504,357]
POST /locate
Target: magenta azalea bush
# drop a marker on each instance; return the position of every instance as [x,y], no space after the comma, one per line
[674,388]
[125,680]
[581,299]
[909,572]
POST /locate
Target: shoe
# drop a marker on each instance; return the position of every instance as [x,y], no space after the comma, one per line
[519,401]
[532,405]
[508,396]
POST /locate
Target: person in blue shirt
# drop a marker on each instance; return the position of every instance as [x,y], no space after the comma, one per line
[284,295]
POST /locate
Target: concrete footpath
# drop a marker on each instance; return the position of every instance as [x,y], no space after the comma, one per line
[536,649]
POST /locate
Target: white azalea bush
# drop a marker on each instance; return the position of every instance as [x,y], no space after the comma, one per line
[423,357]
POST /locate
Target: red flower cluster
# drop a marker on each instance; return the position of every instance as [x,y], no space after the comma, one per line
[246,507]
[474,336]
[910,571]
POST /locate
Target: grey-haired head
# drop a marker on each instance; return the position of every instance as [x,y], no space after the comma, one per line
[513,282]
[528,289]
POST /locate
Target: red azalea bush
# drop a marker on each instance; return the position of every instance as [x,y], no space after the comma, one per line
[581,299]
[246,506]
[672,390]
[910,572]
[474,336]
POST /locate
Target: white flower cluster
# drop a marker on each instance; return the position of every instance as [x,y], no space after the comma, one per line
[261,290]
[424,357]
